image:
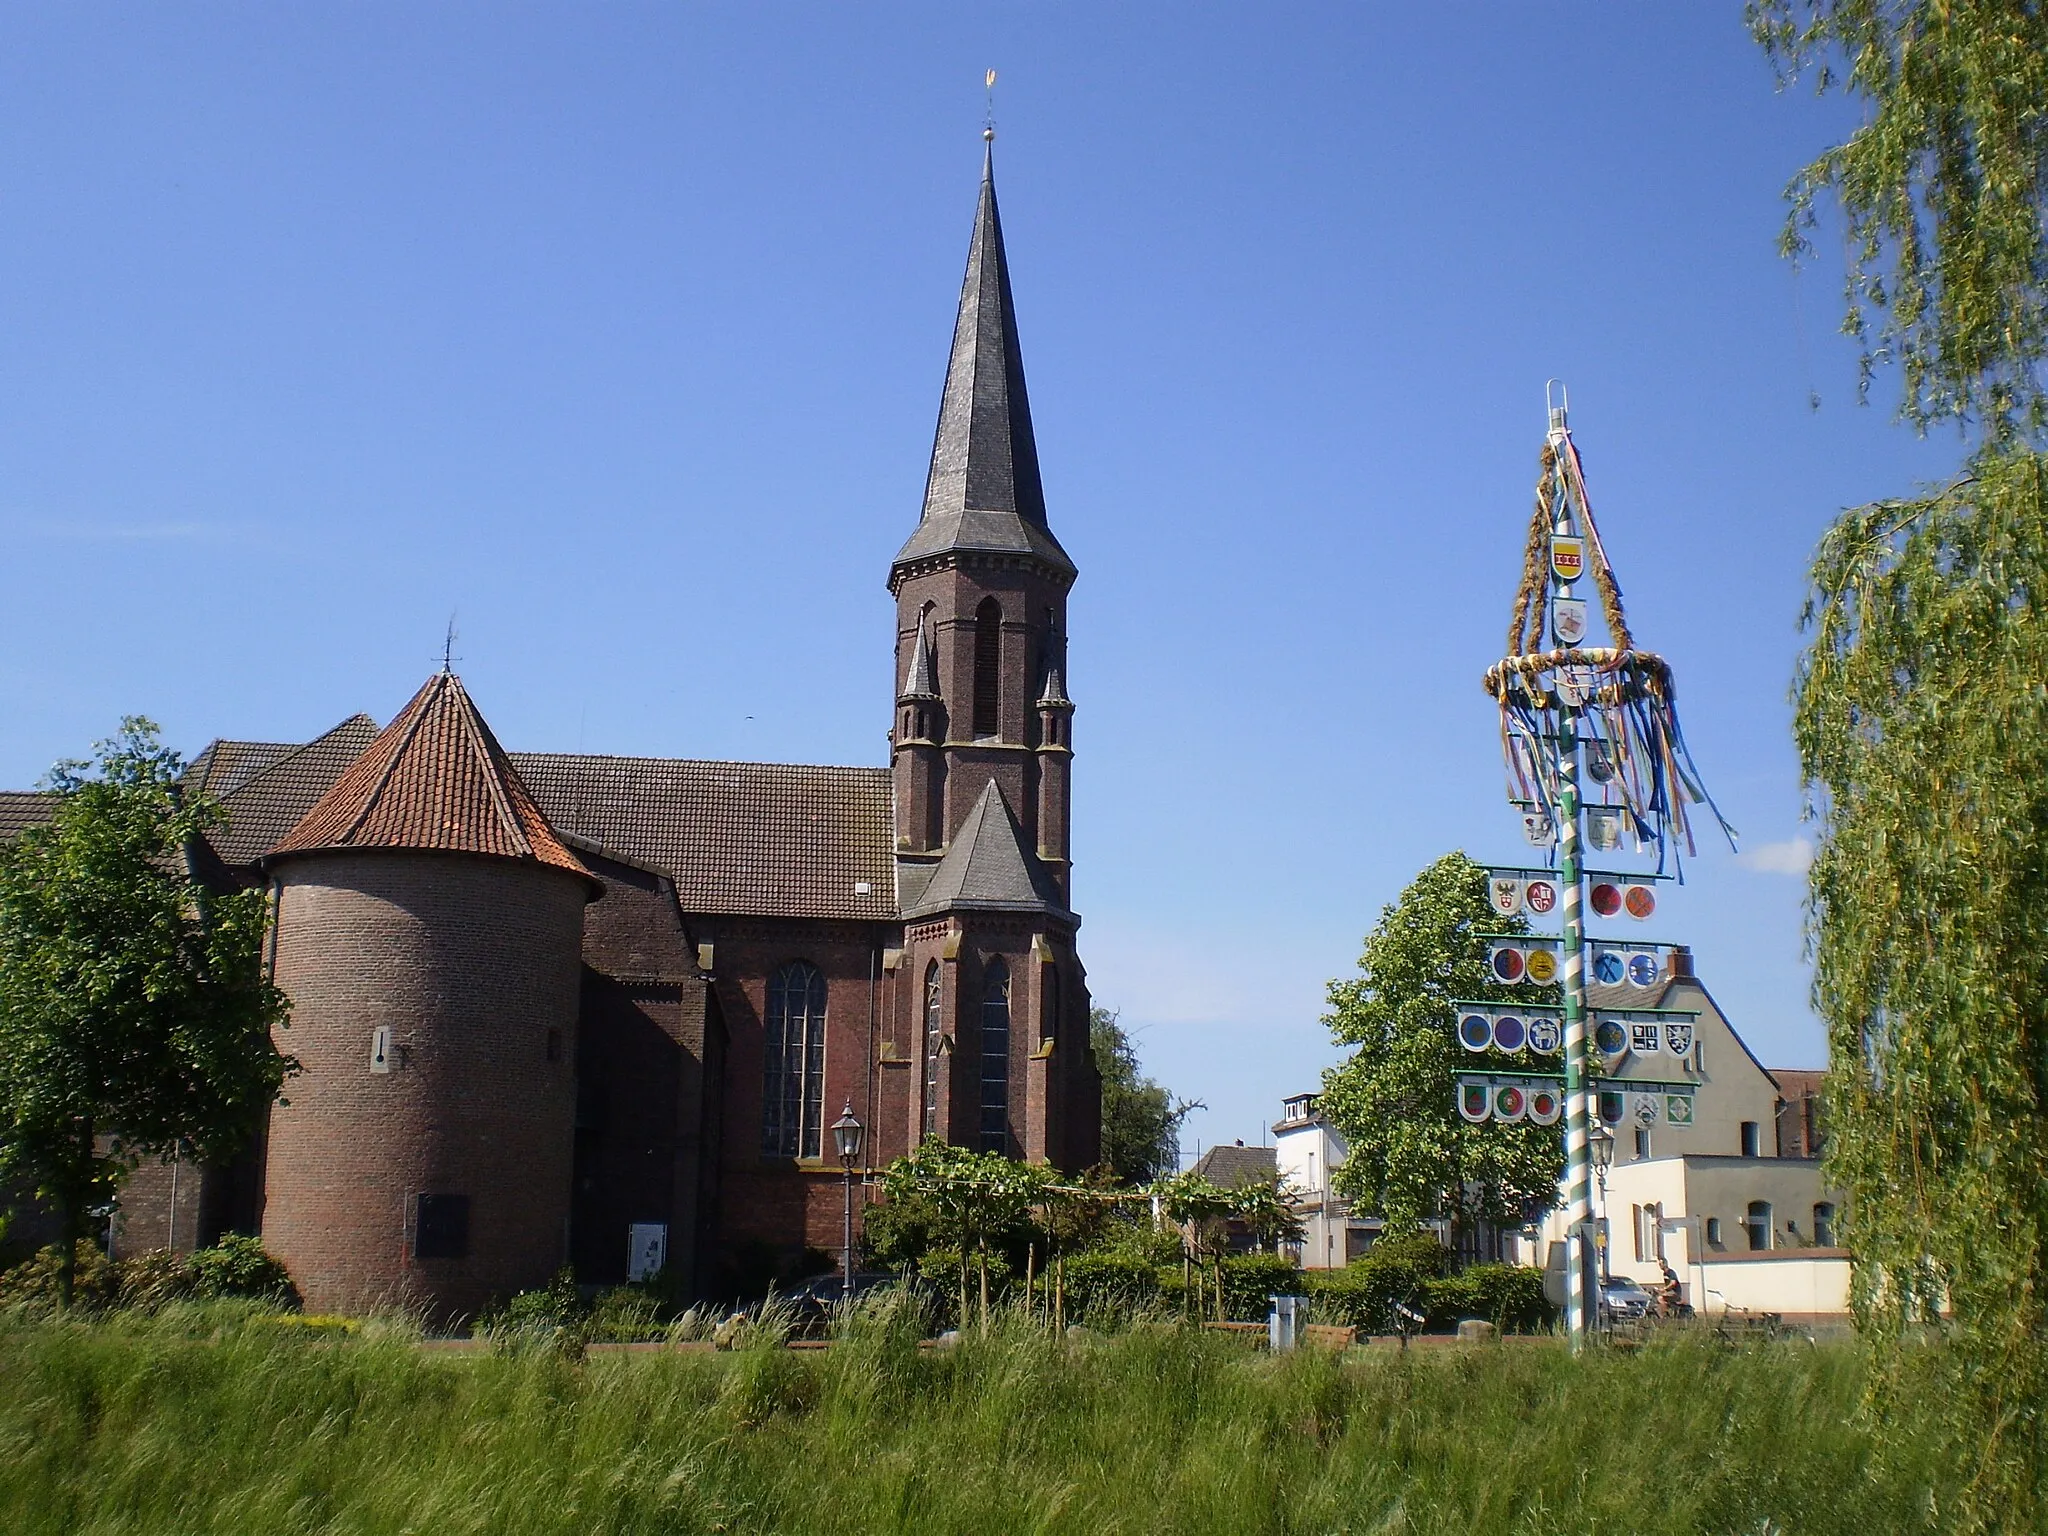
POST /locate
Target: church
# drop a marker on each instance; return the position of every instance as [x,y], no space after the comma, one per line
[602,1011]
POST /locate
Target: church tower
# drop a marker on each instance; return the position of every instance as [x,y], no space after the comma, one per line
[992,1004]
[981,598]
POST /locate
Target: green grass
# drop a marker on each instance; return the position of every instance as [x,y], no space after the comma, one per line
[212,1420]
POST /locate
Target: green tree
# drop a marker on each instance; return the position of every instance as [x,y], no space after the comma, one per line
[1941,191]
[135,1018]
[1922,725]
[965,1201]
[1141,1121]
[1412,1157]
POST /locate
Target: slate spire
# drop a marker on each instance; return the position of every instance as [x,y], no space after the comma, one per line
[983,491]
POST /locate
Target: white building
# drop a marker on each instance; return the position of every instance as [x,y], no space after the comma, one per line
[1308,1150]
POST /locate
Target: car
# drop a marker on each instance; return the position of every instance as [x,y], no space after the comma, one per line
[1623,1301]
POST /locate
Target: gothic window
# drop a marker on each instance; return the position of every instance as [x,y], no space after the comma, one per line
[988,667]
[1050,1027]
[995,1059]
[934,1031]
[793,1070]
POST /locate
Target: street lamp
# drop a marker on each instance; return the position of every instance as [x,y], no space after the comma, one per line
[1600,1141]
[847,1134]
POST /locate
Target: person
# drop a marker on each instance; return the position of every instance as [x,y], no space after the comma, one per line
[1670,1296]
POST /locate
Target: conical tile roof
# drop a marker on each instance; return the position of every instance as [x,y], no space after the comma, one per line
[984,491]
[435,779]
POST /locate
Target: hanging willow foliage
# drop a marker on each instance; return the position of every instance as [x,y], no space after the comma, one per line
[1922,724]
[1941,189]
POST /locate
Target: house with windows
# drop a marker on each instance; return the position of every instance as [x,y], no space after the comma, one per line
[1309,1150]
[575,1008]
[1731,1195]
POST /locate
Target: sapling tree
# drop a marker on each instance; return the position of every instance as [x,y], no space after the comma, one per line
[135,1018]
[968,1201]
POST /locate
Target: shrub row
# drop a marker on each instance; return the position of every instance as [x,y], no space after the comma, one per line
[1102,1288]
[235,1266]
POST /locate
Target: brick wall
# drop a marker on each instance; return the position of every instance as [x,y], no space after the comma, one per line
[473,964]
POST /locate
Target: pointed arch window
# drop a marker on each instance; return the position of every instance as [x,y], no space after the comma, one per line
[934,1033]
[793,1065]
[988,668]
[995,1058]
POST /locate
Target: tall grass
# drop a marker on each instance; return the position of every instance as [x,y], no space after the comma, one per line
[213,1420]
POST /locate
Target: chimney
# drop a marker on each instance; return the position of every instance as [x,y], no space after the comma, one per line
[1681,962]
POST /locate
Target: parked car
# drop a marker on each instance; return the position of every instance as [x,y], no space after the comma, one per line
[1623,1301]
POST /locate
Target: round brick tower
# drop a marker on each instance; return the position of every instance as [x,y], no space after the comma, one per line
[428,930]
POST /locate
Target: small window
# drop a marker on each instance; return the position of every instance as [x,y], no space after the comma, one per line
[554,1045]
[1756,1226]
[1642,1141]
[1713,1231]
[1824,1225]
[1049,1026]
[441,1227]
[1751,1139]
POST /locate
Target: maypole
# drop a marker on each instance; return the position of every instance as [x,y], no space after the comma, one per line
[1607,712]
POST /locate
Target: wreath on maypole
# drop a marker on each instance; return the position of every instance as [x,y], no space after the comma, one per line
[1614,703]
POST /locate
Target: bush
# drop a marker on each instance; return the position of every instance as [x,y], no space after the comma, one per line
[239,1265]
[1107,1288]
[35,1284]
[1250,1280]
[1418,1251]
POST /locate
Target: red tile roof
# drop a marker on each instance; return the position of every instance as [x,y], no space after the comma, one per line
[435,779]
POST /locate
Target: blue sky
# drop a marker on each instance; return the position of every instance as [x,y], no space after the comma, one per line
[618,331]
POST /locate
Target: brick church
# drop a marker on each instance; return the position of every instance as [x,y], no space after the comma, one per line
[550,1005]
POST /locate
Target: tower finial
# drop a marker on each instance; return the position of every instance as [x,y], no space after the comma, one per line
[448,648]
[988,122]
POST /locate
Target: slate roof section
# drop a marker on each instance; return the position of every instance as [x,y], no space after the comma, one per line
[269,803]
[984,490]
[738,839]
[986,866]
[921,677]
[1238,1166]
[435,780]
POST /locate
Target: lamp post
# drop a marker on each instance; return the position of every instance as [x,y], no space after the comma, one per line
[1601,1144]
[847,1134]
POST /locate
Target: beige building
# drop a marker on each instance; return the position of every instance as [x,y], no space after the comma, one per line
[1733,1200]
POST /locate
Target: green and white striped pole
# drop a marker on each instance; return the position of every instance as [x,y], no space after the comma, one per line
[1581,1310]
[1577,1089]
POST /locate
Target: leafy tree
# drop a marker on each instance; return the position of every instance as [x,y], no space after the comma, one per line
[1141,1121]
[135,1018]
[1922,725]
[1941,190]
[1412,1156]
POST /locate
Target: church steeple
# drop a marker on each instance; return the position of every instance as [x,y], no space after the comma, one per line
[981,594]
[984,491]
